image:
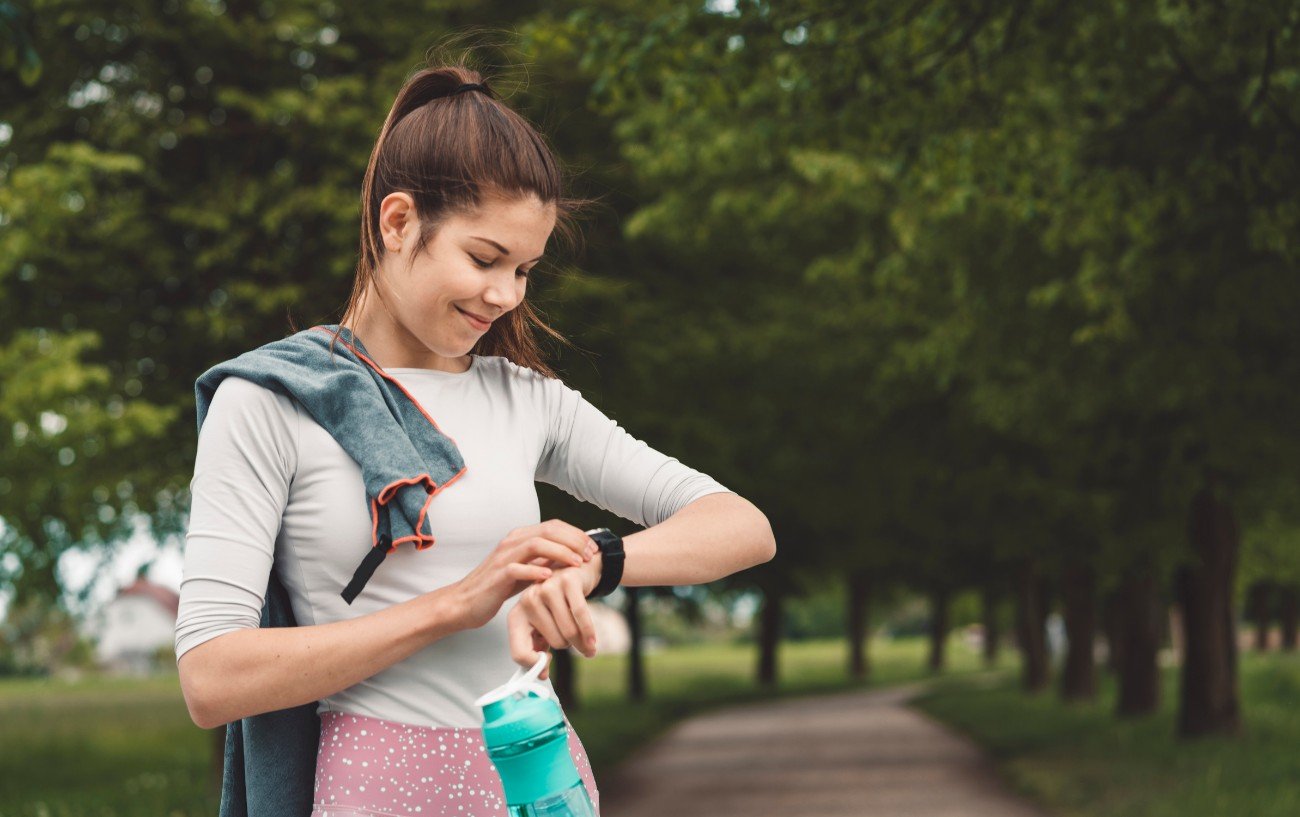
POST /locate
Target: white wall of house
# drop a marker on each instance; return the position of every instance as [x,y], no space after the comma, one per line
[130,629]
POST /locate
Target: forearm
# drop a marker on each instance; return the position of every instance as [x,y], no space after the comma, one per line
[251,671]
[714,536]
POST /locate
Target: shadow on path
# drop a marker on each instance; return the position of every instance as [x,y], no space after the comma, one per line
[857,754]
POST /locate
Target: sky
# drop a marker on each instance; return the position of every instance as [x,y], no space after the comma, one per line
[79,568]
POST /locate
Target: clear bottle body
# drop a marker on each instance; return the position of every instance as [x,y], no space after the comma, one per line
[572,802]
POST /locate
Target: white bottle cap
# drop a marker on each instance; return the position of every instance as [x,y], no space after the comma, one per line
[521,682]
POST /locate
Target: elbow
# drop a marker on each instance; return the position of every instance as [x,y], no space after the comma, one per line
[766,549]
[768,552]
[194,689]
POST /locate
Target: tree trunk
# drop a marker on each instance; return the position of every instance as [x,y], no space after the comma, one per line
[562,674]
[1138,645]
[1078,589]
[1257,612]
[1288,610]
[859,609]
[1031,633]
[1208,701]
[769,637]
[938,627]
[1110,617]
[989,597]
[636,686]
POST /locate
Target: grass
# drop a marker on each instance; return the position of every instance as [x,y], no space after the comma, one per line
[1079,760]
[122,748]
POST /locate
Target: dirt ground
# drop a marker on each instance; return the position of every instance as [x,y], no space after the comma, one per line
[859,754]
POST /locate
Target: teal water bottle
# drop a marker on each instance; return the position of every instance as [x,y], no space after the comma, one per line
[527,740]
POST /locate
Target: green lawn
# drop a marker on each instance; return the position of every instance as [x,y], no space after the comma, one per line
[122,748]
[1080,761]
[127,748]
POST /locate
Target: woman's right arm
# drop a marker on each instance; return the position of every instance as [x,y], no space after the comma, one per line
[254,670]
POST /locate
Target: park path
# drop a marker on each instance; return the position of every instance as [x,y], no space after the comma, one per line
[858,754]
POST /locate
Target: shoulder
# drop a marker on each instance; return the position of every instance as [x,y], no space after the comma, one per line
[240,391]
[505,372]
[238,401]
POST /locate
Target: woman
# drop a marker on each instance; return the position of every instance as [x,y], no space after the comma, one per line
[460,198]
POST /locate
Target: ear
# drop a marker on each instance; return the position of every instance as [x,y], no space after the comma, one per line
[397,220]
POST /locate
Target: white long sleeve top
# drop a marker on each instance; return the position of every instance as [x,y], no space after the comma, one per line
[271,484]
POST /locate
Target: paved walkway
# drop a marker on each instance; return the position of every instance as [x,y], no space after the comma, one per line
[858,754]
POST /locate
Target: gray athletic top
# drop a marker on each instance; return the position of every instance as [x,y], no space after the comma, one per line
[270,483]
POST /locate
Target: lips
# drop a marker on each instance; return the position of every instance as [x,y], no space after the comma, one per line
[474,320]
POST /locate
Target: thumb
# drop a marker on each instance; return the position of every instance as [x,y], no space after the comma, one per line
[526,644]
[540,645]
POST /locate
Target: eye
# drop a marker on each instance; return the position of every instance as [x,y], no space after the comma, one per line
[521,273]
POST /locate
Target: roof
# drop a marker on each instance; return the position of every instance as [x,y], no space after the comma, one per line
[165,597]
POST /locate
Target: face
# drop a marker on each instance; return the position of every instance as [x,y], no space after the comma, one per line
[475,264]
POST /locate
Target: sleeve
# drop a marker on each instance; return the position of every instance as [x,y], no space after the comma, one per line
[247,455]
[592,457]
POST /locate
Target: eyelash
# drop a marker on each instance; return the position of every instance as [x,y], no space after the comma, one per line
[488,265]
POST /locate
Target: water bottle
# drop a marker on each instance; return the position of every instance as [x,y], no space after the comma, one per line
[527,740]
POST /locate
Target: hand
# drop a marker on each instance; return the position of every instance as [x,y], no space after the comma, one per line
[554,613]
[526,555]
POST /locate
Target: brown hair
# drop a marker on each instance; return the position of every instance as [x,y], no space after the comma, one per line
[451,151]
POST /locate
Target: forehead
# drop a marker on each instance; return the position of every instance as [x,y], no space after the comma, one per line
[521,221]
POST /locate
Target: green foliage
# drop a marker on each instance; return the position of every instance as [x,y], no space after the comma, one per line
[937,287]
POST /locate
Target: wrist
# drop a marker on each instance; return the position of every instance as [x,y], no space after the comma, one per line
[611,562]
[446,611]
[591,574]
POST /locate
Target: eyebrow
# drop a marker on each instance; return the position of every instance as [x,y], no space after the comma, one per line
[501,248]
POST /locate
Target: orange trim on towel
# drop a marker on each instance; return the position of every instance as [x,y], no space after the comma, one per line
[422,541]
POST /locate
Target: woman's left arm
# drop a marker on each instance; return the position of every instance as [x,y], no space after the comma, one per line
[713,536]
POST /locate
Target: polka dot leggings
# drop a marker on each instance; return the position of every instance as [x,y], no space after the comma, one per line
[371,767]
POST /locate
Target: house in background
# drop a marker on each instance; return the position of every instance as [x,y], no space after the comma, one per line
[131,628]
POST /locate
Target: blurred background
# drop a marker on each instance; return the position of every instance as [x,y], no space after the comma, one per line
[991,307]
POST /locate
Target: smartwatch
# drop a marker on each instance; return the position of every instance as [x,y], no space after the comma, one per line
[611,561]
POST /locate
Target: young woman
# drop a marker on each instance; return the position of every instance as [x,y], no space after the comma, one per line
[460,198]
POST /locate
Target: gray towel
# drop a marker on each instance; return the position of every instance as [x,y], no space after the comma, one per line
[405,459]
[270,759]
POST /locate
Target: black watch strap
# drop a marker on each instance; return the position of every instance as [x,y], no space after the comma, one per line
[611,561]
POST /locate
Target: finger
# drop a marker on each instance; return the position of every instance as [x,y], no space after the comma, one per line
[581,610]
[528,572]
[540,645]
[519,634]
[542,620]
[526,646]
[571,535]
[539,546]
[556,530]
[557,602]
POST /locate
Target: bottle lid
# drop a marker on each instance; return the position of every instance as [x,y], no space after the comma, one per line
[521,708]
[521,681]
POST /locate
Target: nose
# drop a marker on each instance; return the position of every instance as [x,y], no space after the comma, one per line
[502,296]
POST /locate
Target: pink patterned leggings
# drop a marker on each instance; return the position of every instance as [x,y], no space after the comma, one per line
[371,767]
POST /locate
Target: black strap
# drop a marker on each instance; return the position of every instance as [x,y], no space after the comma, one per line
[376,555]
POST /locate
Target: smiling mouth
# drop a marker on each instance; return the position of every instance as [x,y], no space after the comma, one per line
[476,322]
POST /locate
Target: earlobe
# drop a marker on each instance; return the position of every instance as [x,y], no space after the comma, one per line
[397,215]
